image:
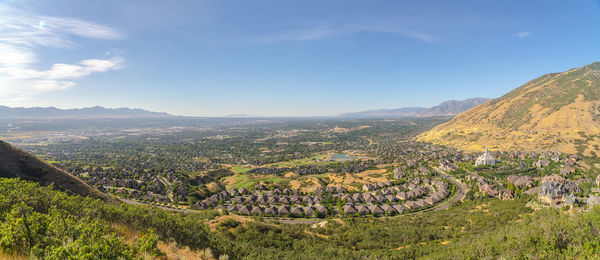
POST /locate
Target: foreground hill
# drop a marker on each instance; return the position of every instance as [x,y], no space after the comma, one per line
[42,223]
[76,113]
[15,163]
[447,108]
[557,111]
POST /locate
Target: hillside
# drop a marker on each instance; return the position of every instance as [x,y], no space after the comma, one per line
[42,223]
[557,111]
[15,163]
[447,108]
[76,113]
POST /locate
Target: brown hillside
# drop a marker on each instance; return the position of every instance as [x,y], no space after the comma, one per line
[558,111]
[15,163]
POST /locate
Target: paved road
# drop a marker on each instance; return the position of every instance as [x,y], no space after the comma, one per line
[460,191]
[134,202]
[295,221]
[459,195]
[169,187]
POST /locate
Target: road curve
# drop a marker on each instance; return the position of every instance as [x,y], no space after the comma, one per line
[460,191]
[459,195]
[135,202]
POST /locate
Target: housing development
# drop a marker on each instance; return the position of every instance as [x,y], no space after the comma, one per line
[299,129]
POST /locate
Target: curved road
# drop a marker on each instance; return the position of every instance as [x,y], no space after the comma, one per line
[135,202]
[459,195]
[460,191]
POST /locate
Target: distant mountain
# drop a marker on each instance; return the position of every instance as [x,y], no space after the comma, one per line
[557,111]
[453,107]
[448,108]
[76,113]
[397,112]
[15,163]
[241,116]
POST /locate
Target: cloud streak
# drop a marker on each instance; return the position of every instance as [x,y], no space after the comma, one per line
[523,34]
[324,31]
[22,33]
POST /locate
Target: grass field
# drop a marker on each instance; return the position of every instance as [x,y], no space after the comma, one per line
[240,169]
[303,161]
[51,162]
[247,181]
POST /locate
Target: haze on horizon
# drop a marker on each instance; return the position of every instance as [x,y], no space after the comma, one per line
[283,58]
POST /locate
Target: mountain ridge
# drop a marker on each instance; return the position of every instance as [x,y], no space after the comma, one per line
[446,108]
[77,113]
[556,111]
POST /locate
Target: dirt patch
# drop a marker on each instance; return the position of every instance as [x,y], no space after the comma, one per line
[354,182]
[340,221]
[172,251]
[295,184]
[480,208]
[213,223]
[308,184]
[316,234]
[290,175]
[213,187]
[229,181]
[321,224]
[373,176]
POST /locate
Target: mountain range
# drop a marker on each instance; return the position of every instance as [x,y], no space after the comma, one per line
[76,113]
[557,111]
[448,108]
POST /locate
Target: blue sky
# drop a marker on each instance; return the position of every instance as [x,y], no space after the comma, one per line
[284,58]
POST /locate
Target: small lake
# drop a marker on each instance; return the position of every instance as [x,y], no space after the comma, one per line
[342,157]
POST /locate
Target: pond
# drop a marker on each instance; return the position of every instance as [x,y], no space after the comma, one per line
[342,157]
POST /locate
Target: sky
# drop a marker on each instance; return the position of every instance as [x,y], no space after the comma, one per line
[283,58]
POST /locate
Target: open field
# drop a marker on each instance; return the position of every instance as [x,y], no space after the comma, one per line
[247,181]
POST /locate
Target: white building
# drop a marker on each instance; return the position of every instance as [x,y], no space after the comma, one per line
[485,159]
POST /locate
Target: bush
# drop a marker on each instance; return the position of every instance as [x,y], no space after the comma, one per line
[44,223]
[229,223]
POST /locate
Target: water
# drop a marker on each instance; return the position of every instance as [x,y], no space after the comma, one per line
[342,157]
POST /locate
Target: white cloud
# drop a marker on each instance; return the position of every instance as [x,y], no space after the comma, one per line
[523,34]
[22,33]
[323,31]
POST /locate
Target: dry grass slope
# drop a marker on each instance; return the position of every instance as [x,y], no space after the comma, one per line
[558,111]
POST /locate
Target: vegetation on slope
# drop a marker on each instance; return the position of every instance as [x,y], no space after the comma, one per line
[41,222]
[473,230]
[547,234]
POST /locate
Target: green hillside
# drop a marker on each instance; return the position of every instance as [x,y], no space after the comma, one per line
[40,222]
[44,223]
